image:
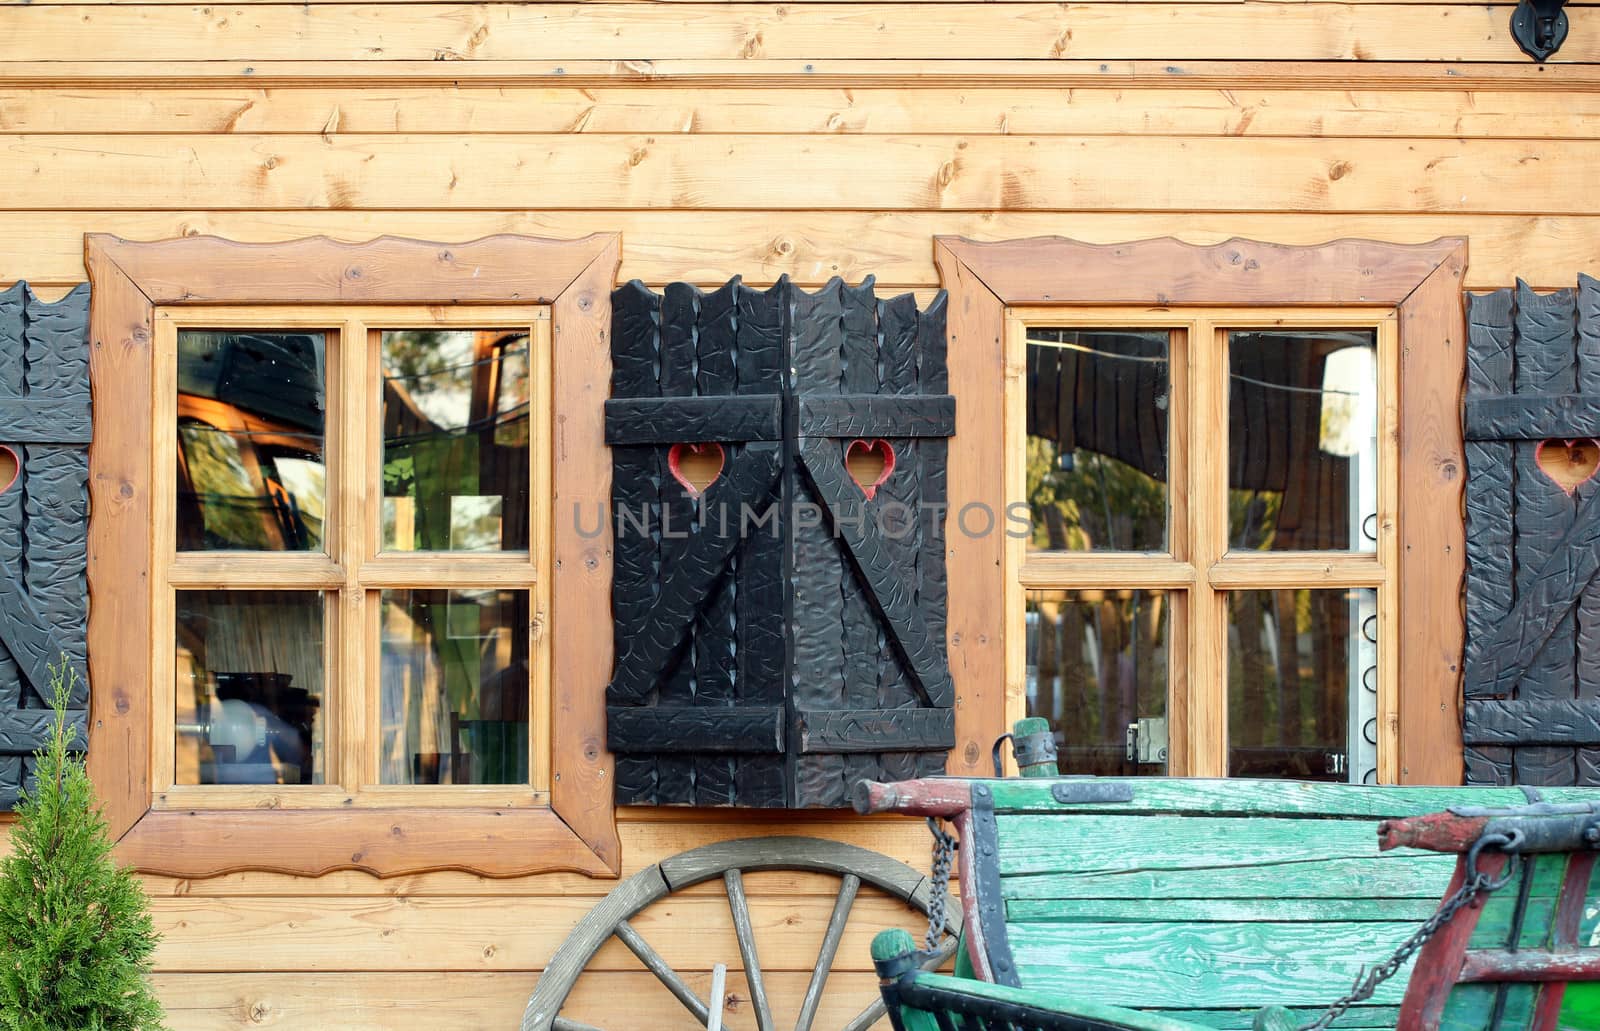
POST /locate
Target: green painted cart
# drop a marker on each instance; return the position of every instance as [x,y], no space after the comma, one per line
[1187,905]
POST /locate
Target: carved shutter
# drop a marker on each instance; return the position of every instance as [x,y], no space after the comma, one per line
[1532,423]
[780,635]
[44,510]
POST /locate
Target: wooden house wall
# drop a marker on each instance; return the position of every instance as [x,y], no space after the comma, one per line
[752,139]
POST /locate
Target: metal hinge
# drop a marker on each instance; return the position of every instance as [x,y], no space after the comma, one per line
[1147,740]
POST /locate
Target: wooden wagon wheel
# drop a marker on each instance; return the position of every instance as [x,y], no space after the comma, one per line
[730,861]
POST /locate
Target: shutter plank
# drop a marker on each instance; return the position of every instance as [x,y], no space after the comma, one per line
[1587,629]
[13,685]
[763,363]
[680,310]
[635,345]
[715,662]
[1545,363]
[864,653]
[899,495]
[933,378]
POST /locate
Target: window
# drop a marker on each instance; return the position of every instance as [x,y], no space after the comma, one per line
[1232,481]
[324,554]
[1209,498]
[358,556]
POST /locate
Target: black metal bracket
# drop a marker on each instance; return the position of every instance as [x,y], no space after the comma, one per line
[1539,27]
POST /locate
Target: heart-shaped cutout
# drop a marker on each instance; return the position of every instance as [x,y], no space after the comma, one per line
[869,464]
[696,466]
[1569,463]
[10,465]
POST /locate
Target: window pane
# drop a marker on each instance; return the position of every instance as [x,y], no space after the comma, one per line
[1097,439]
[250,440]
[1303,441]
[455,440]
[249,688]
[1097,662]
[1302,684]
[455,687]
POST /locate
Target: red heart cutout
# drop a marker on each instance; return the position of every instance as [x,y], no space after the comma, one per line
[10,466]
[696,466]
[1568,463]
[869,464]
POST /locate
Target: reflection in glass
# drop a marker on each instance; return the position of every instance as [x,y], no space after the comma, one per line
[1097,662]
[1303,440]
[455,440]
[250,440]
[1302,683]
[454,684]
[249,688]
[1097,439]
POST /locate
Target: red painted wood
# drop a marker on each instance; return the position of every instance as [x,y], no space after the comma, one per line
[1439,963]
[971,923]
[1437,832]
[1527,965]
[930,797]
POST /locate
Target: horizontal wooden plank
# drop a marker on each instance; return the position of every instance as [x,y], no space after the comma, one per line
[871,415]
[912,110]
[466,934]
[843,172]
[1531,416]
[37,421]
[25,731]
[876,730]
[1538,722]
[708,248]
[1290,910]
[695,728]
[1413,877]
[671,420]
[1208,965]
[1344,804]
[811,72]
[710,31]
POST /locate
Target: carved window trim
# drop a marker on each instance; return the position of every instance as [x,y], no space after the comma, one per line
[1421,283]
[577,831]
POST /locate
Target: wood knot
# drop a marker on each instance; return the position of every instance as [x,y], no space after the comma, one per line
[1339,169]
[354,272]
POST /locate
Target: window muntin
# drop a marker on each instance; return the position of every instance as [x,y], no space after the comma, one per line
[1202,569]
[467,728]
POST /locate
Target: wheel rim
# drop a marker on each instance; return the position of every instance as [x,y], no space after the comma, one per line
[730,861]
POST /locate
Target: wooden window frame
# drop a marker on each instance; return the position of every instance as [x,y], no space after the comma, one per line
[1419,283]
[577,830]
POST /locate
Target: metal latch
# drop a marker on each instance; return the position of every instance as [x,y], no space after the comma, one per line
[1147,740]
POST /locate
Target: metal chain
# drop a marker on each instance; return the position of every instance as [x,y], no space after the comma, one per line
[1472,885]
[944,850]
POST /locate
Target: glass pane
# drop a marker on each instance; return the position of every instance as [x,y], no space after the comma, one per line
[455,440]
[251,410]
[1303,440]
[1303,684]
[455,687]
[1097,662]
[1097,439]
[249,688]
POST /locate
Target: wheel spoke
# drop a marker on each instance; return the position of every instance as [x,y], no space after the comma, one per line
[733,881]
[568,1024]
[830,945]
[664,973]
[874,1012]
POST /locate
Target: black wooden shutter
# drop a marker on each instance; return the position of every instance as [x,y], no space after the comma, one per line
[44,516]
[1532,426]
[782,636]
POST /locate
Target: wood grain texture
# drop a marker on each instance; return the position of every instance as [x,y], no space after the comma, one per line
[954,173]
[709,31]
[1532,722]
[695,729]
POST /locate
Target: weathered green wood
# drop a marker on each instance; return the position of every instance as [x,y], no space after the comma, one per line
[1470,1007]
[1359,1018]
[1206,965]
[1278,910]
[1264,797]
[1580,1010]
[1408,876]
[1035,843]
[1084,1006]
[1274,1018]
